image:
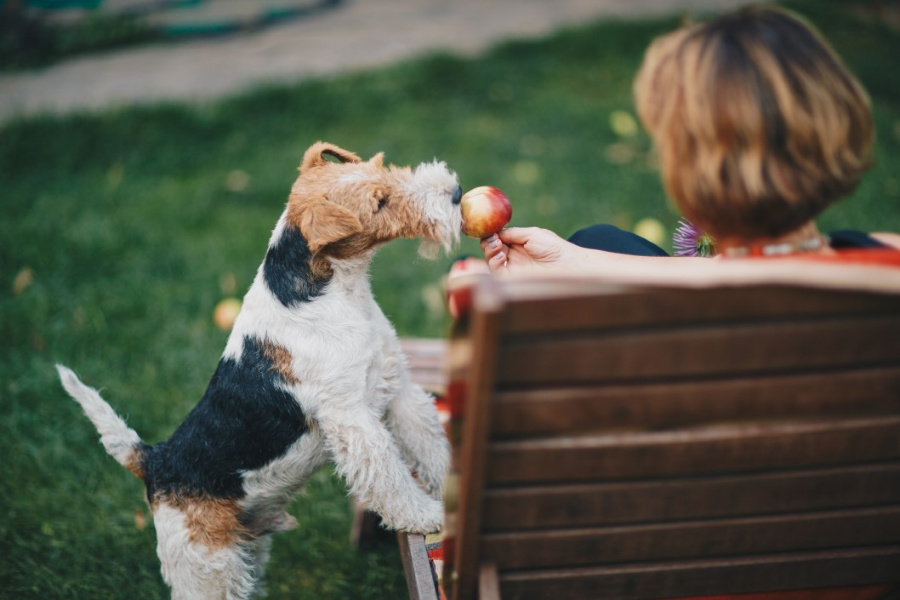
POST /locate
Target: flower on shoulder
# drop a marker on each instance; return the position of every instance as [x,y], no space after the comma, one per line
[688,240]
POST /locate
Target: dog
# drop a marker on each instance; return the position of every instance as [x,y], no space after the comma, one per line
[312,372]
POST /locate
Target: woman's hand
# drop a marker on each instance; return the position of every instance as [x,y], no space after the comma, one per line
[519,247]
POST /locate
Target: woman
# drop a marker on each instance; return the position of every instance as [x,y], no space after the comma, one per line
[759,128]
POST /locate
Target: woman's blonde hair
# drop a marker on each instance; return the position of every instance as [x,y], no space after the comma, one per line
[758,124]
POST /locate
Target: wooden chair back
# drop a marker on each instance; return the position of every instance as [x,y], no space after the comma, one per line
[629,440]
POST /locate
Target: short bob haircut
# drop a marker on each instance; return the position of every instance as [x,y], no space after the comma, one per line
[758,124]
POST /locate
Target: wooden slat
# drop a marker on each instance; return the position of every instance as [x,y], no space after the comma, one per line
[697,451]
[697,578]
[710,538]
[655,405]
[488,583]
[648,307]
[584,505]
[426,361]
[419,578]
[425,352]
[769,347]
[472,461]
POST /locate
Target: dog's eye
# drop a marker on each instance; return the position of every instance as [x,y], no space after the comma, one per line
[382,202]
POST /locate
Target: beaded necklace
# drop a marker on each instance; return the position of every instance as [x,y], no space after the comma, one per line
[813,244]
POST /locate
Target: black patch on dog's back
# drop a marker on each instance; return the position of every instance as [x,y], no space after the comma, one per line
[243,422]
[287,271]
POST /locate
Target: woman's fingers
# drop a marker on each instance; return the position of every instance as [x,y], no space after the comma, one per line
[516,235]
[498,261]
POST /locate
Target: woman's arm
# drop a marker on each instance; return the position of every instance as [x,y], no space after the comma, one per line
[532,247]
[890,239]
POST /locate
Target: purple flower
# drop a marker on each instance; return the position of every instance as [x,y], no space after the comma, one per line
[688,240]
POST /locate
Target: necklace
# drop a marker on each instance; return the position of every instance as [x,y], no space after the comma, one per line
[813,244]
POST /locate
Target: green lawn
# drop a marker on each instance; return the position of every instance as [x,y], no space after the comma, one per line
[120,232]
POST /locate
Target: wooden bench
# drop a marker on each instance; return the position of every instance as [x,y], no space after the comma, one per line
[668,434]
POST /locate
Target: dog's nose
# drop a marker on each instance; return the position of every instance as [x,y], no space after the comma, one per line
[457,195]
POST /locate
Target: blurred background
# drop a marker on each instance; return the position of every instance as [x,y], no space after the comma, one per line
[147,149]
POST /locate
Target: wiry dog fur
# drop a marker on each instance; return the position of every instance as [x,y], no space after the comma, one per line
[312,372]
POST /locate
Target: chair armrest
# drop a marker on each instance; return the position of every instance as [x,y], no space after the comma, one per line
[419,575]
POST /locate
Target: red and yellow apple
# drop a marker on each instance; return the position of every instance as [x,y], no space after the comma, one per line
[485,211]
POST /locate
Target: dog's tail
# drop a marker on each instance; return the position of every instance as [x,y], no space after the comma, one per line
[121,441]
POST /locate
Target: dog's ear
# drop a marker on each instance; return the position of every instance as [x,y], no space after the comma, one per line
[377,160]
[322,222]
[315,155]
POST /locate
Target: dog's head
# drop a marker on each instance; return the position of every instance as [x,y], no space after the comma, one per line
[346,206]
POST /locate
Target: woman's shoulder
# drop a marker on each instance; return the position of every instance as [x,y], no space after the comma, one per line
[846,239]
[858,247]
[884,256]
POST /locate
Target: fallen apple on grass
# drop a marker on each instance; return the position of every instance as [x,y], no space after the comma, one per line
[485,211]
[226,312]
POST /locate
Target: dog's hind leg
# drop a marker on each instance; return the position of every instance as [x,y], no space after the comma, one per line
[368,459]
[261,554]
[196,569]
[414,420]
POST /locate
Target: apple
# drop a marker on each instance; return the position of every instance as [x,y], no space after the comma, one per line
[463,273]
[226,313]
[485,210]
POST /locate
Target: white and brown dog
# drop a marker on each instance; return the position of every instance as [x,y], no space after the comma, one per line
[312,372]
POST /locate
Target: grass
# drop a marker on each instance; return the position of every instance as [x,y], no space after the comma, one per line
[121,231]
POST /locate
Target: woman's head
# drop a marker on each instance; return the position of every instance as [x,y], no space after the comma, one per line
[758,124]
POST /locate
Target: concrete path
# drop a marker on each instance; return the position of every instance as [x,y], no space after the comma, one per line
[355,34]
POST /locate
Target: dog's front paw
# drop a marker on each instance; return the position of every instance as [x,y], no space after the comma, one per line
[424,517]
[433,486]
[432,473]
[430,519]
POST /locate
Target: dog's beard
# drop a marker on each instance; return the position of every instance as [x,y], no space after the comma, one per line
[430,250]
[447,240]
[433,181]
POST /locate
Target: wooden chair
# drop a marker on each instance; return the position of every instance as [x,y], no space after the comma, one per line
[669,434]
